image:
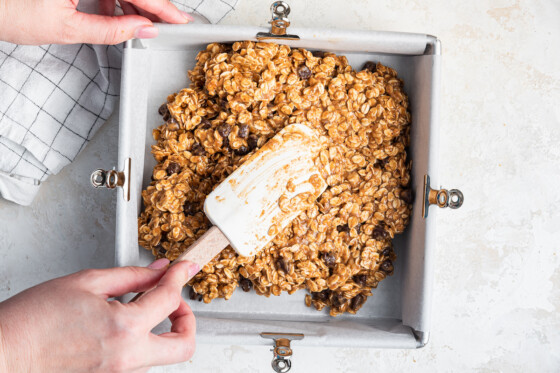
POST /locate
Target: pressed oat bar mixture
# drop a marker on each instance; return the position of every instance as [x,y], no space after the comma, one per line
[338,248]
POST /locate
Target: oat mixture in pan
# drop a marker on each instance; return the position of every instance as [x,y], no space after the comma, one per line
[241,95]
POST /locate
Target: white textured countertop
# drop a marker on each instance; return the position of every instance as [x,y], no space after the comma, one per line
[496,300]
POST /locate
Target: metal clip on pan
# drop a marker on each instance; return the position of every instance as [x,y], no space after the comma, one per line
[279,23]
[112,179]
[443,198]
[282,351]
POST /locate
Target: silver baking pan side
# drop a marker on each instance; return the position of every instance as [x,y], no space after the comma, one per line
[133,109]
[420,235]
[398,313]
[185,36]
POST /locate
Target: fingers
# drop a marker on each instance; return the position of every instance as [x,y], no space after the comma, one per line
[113,282]
[96,29]
[148,15]
[131,9]
[107,7]
[163,9]
[127,8]
[179,344]
[160,302]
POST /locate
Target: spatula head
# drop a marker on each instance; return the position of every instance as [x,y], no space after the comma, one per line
[269,190]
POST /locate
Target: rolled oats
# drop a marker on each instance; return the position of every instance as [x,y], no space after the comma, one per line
[339,247]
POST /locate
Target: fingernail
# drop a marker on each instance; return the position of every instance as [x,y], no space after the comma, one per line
[159,264]
[189,17]
[146,32]
[193,269]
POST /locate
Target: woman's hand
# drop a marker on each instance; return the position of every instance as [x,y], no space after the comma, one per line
[68,324]
[39,22]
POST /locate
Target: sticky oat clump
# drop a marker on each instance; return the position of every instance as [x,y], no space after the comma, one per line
[339,247]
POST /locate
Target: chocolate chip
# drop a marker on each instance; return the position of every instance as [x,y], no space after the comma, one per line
[370,66]
[225,143]
[205,124]
[224,130]
[160,249]
[172,121]
[193,295]
[322,296]
[387,266]
[173,168]
[343,228]
[164,112]
[338,300]
[223,104]
[329,259]
[198,149]
[243,131]
[382,162]
[379,232]
[406,196]
[319,54]
[189,208]
[163,109]
[360,280]
[386,252]
[397,140]
[242,150]
[253,142]
[245,284]
[304,72]
[282,264]
[357,302]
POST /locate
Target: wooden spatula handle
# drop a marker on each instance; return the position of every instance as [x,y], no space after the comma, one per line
[205,248]
[201,251]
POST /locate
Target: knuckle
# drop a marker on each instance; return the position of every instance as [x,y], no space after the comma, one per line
[134,271]
[120,333]
[88,276]
[123,327]
[113,36]
[121,363]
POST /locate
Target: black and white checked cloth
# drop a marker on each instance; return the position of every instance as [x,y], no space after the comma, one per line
[54,98]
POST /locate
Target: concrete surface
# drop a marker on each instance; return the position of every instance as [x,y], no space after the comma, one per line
[497,282]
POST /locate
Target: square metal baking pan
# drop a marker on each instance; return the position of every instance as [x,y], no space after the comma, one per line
[398,313]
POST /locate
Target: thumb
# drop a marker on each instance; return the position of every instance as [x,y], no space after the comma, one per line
[96,29]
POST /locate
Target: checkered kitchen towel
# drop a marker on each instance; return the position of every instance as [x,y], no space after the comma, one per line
[54,98]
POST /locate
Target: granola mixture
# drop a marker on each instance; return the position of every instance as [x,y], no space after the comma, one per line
[339,248]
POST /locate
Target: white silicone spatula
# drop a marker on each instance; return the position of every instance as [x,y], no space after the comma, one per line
[262,196]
